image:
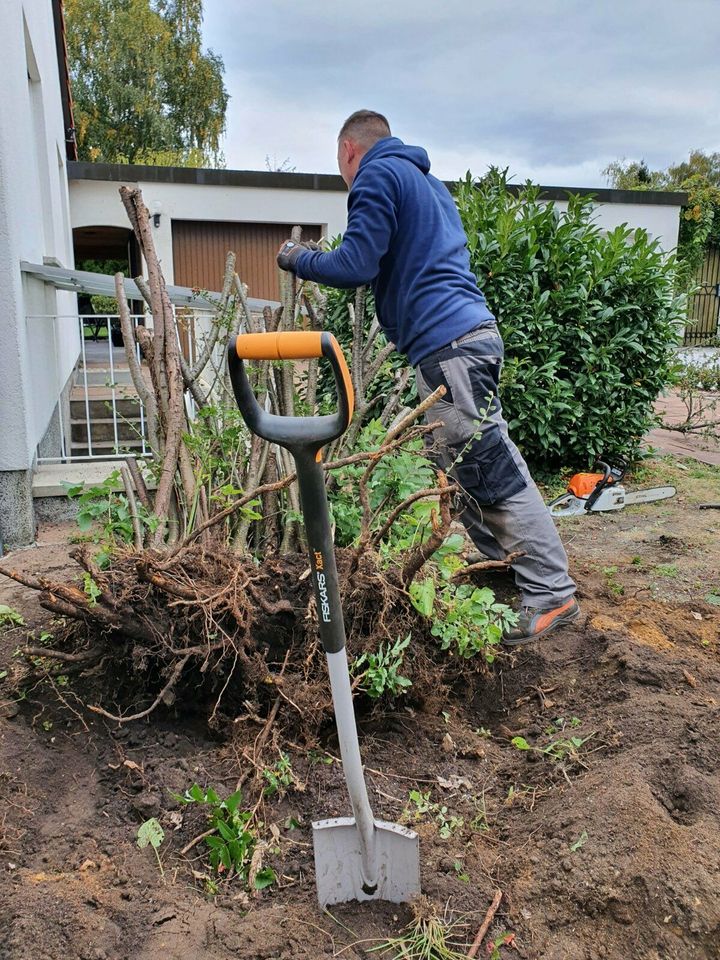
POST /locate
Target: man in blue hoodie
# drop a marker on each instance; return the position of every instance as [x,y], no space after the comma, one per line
[404,237]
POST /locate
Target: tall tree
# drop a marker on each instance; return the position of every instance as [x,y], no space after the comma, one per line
[144,90]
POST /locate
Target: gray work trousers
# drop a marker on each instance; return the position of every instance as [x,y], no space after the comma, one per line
[502,507]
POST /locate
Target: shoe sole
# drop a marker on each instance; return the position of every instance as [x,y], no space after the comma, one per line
[560,621]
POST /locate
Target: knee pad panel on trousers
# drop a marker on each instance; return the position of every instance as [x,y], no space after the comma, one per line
[488,472]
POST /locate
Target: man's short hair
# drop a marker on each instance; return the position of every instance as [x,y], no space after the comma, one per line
[365,127]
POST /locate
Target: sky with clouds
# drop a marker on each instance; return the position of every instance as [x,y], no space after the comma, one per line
[552,89]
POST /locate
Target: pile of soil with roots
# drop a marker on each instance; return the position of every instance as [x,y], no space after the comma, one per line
[218,635]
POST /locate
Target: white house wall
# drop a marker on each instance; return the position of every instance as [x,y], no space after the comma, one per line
[662,221]
[98,203]
[36,356]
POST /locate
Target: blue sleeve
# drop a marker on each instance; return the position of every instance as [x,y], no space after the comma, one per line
[372,220]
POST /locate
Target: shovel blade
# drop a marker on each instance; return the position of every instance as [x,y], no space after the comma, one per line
[338,860]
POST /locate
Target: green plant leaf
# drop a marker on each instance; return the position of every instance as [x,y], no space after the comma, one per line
[150,832]
[580,842]
[10,616]
[422,595]
[264,878]
[520,743]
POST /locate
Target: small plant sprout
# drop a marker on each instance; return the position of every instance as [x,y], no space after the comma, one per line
[10,617]
[419,805]
[381,673]
[279,777]
[460,873]
[428,936]
[150,833]
[580,842]
[614,585]
[560,749]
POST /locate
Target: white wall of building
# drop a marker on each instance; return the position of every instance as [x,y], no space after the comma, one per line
[662,221]
[98,203]
[36,356]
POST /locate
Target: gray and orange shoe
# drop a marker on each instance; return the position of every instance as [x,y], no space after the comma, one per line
[534,622]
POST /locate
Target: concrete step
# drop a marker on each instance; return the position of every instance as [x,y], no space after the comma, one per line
[49,477]
[101,408]
[101,377]
[128,428]
[106,447]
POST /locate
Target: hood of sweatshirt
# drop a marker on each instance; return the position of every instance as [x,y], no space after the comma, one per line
[394,147]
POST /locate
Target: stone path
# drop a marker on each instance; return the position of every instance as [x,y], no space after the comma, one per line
[704,449]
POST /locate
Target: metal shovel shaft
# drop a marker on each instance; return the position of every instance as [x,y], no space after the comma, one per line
[316,514]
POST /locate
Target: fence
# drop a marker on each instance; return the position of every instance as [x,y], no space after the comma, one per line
[703,328]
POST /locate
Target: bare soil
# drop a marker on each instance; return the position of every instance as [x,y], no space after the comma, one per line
[606,849]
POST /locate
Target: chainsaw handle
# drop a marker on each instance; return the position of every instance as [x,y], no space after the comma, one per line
[292,432]
[611,474]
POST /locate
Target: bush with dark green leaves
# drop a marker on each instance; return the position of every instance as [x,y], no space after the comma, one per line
[589,319]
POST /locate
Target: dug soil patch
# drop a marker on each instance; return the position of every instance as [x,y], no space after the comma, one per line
[579,776]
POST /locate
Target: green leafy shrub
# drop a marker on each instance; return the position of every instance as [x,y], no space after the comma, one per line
[693,376]
[589,320]
[397,476]
[106,508]
[466,619]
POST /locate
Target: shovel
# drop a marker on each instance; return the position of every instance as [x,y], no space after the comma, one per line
[358,857]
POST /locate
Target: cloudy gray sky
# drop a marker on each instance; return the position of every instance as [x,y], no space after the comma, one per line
[553,89]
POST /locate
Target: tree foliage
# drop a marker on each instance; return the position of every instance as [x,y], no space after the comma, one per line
[144,91]
[589,320]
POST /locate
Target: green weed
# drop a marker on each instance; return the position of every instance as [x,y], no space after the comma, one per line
[10,617]
[150,833]
[234,841]
[613,585]
[420,805]
[279,777]
[382,670]
[427,937]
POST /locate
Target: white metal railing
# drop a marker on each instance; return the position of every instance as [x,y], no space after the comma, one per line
[102,376]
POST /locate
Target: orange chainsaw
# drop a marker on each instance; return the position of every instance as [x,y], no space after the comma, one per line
[591,492]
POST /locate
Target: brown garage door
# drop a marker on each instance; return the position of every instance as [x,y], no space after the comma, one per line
[200,248]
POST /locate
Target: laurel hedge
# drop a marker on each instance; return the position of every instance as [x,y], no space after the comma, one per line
[590,320]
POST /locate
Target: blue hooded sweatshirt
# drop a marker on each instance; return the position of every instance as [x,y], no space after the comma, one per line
[404,236]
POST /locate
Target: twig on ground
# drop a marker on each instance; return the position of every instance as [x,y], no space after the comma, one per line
[492,910]
[51,654]
[196,840]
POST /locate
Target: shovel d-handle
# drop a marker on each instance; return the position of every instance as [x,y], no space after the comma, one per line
[291,432]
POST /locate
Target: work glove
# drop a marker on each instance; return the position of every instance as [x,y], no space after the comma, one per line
[290,251]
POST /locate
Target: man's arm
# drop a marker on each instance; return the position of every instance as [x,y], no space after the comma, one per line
[372,219]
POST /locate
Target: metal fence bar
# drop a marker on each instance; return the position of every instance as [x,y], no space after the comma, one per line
[112,385]
[81,384]
[87,398]
[83,381]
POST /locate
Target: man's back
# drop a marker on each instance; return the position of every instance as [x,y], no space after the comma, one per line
[405,237]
